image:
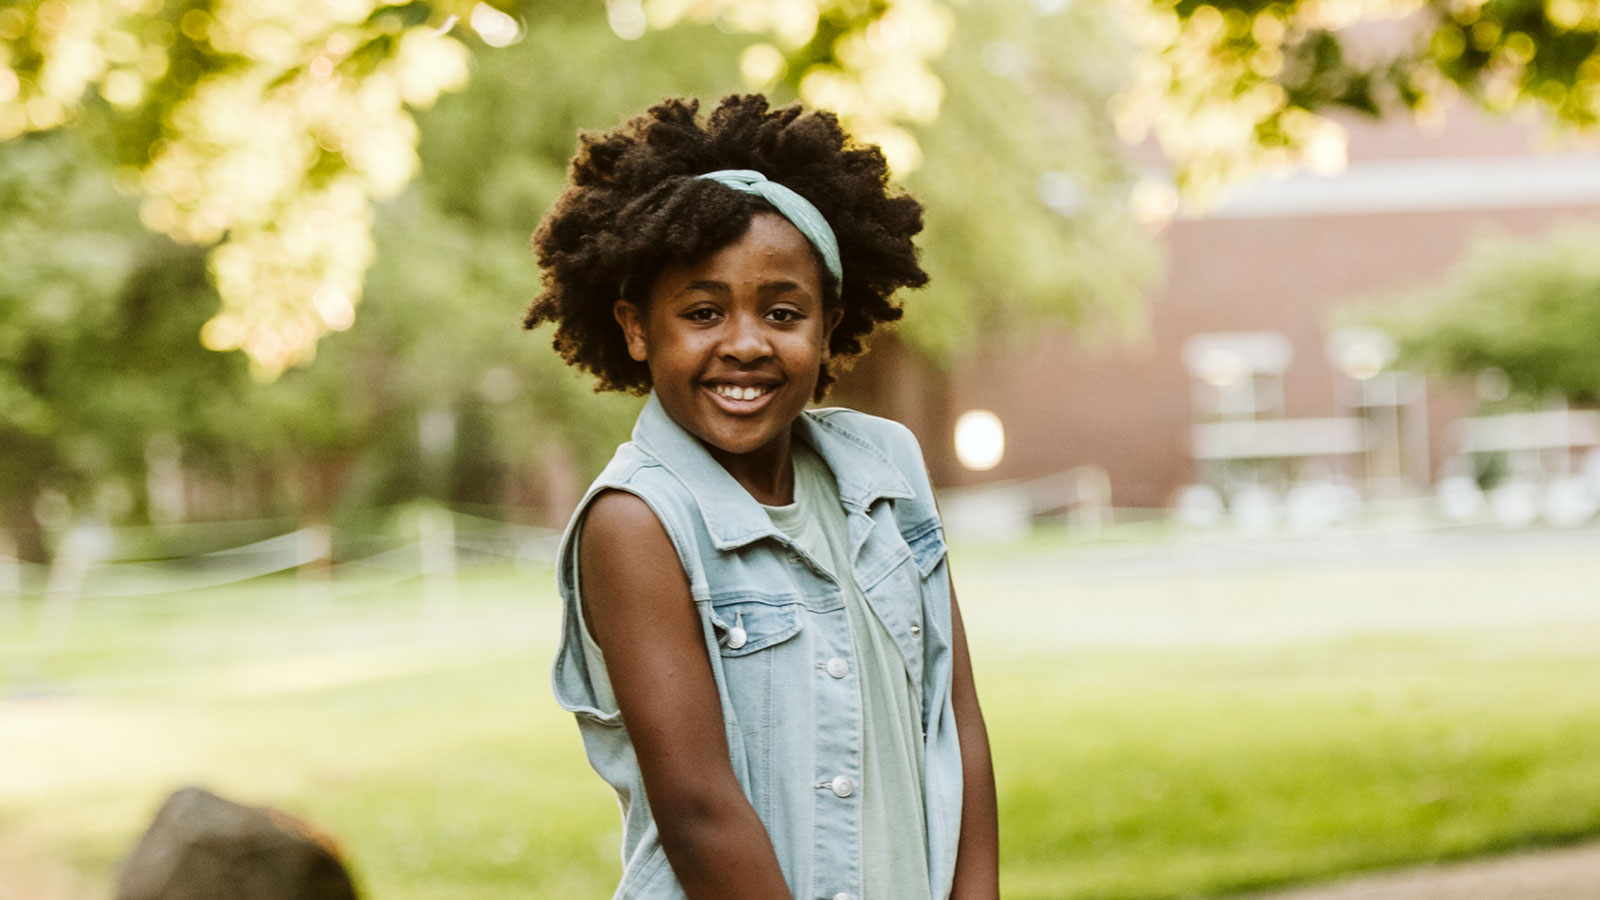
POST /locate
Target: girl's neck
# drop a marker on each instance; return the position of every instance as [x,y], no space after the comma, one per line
[767,474]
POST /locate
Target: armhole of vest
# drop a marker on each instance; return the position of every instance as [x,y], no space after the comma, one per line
[679,542]
[572,655]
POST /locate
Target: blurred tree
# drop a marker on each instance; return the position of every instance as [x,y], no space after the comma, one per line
[97,339]
[1231,87]
[439,393]
[265,129]
[270,128]
[1026,184]
[1529,309]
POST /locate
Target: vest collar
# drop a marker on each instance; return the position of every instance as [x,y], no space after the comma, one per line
[733,518]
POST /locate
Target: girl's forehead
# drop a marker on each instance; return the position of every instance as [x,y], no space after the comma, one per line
[770,251]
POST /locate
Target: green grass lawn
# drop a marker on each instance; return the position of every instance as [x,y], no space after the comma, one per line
[1163,730]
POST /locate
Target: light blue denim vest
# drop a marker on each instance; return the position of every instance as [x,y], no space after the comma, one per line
[776,632]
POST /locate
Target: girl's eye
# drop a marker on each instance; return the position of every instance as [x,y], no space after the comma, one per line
[702,314]
[784,314]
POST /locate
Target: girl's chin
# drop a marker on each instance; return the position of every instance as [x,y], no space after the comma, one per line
[738,444]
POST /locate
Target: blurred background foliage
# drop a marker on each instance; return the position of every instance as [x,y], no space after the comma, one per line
[118,411]
[1527,309]
[187,176]
[269,128]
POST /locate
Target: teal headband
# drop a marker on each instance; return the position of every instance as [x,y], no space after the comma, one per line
[797,209]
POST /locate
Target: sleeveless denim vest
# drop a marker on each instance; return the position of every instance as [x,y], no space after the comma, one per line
[778,638]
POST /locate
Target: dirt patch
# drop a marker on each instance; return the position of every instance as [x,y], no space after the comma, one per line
[1569,873]
[26,873]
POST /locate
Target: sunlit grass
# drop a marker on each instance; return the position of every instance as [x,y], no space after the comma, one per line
[1159,732]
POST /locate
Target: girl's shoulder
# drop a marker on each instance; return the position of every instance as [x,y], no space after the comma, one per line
[634,470]
[894,442]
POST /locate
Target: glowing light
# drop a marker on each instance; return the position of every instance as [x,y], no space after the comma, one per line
[980,440]
[52,15]
[1361,353]
[9,85]
[44,112]
[626,18]
[13,121]
[794,22]
[761,65]
[1327,150]
[1153,202]
[495,27]
[1060,192]
[195,25]
[1363,361]
[122,88]
[121,47]
[1220,368]
[225,331]
[334,306]
[153,62]
[899,146]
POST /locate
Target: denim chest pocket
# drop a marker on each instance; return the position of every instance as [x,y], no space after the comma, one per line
[744,627]
[911,598]
[753,639]
[927,550]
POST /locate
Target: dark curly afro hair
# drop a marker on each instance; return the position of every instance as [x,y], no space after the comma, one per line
[635,206]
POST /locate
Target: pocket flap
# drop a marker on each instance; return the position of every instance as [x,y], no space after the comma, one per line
[928,549]
[745,626]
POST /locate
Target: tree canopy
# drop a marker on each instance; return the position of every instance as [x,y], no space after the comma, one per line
[1530,309]
[268,129]
[438,392]
[1230,87]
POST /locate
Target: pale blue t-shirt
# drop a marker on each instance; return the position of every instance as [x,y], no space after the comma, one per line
[894,842]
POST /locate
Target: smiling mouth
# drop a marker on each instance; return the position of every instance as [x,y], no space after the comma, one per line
[740,400]
[735,392]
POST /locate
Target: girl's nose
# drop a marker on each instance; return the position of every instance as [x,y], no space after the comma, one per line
[745,340]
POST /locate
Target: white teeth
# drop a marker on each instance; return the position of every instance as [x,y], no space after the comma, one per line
[733,392]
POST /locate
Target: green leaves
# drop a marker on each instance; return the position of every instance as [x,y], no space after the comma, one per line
[1530,309]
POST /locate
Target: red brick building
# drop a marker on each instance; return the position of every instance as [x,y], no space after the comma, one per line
[1266,270]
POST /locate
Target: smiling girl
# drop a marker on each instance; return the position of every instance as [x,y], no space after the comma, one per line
[761,643]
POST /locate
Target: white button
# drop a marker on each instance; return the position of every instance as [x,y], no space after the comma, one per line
[736,637]
[916,630]
[842,896]
[838,668]
[843,786]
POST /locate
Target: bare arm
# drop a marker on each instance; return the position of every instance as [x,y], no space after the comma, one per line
[636,599]
[978,854]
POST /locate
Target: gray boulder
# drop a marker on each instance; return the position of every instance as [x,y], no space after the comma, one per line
[202,847]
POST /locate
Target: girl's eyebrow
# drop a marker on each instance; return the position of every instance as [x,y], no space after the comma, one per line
[710,286]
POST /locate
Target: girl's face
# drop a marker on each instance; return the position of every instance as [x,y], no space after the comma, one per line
[735,342]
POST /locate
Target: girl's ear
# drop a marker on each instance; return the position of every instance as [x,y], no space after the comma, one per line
[631,318]
[830,321]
